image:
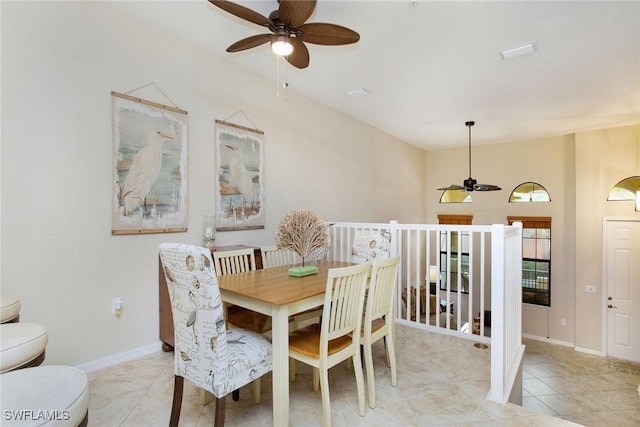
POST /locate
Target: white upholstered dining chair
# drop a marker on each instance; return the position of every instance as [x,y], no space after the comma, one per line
[379,319]
[337,337]
[206,353]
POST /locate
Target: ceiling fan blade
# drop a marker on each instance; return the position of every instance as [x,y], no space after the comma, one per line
[299,58]
[486,187]
[242,12]
[295,13]
[249,42]
[453,187]
[327,34]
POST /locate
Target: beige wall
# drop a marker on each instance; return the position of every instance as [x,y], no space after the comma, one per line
[578,171]
[60,61]
[602,159]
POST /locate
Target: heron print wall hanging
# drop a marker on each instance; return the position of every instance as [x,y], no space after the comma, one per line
[239,177]
[149,167]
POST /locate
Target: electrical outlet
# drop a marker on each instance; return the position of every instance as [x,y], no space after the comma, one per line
[563,322]
[591,289]
[116,306]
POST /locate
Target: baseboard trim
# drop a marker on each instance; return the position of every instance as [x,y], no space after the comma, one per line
[118,358]
[566,344]
[590,351]
[549,340]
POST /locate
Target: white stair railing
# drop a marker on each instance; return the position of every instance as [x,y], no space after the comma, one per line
[508,350]
[469,297]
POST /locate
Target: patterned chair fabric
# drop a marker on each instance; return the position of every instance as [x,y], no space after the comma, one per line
[206,353]
[369,245]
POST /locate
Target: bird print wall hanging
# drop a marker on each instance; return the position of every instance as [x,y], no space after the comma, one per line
[239,177]
[149,167]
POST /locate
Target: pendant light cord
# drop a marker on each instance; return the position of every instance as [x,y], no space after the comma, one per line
[469,124]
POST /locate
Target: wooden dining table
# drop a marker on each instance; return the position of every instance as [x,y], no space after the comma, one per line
[271,291]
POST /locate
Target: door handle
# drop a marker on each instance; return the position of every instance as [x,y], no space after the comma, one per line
[612,306]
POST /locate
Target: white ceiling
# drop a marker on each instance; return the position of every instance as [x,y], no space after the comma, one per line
[430,66]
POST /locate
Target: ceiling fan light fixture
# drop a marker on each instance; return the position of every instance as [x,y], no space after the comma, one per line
[290,19]
[280,45]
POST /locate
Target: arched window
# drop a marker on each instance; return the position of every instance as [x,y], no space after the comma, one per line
[627,189]
[455,196]
[529,192]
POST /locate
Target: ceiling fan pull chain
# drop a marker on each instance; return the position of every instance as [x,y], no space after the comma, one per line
[278,77]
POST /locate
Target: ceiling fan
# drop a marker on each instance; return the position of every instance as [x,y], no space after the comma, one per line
[471,184]
[289,31]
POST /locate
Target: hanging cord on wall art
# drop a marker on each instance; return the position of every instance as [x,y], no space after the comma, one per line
[157,87]
[227,122]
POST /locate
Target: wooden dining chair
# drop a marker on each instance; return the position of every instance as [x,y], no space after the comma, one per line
[337,337]
[239,261]
[274,257]
[213,358]
[379,319]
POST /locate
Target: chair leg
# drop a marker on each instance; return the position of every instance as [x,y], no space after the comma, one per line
[371,385]
[178,386]
[391,355]
[220,408]
[256,390]
[324,391]
[205,397]
[386,350]
[357,367]
[316,379]
[292,369]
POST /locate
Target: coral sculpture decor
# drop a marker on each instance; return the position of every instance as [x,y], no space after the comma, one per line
[304,233]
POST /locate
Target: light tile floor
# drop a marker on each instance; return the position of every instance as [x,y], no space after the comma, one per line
[442,380]
[586,389]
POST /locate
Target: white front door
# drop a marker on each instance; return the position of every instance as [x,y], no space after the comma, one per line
[622,289]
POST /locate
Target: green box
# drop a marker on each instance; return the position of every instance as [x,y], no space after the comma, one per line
[303,271]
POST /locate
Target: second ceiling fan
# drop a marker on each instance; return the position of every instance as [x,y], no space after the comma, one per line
[288,29]
[471,184]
